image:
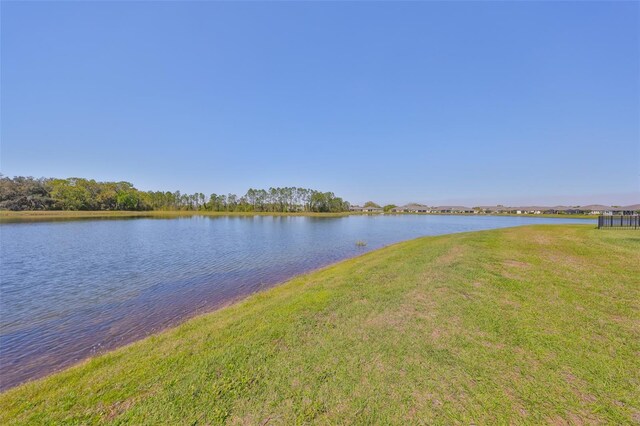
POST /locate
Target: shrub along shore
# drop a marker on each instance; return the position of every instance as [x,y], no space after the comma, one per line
[535,324]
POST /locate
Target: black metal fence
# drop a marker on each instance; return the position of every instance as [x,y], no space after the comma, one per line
[619,222]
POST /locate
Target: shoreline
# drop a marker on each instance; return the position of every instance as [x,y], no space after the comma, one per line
[29,369]
[370,310]
[237,300]
[201,312]
[7,216]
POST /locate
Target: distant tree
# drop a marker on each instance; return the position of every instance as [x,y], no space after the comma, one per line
[232,202]
[389,207]
[24,193]
[27,193]
[127,200]
[70,194]
[371,204]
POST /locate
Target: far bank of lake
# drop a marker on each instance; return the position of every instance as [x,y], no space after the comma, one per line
[8,216]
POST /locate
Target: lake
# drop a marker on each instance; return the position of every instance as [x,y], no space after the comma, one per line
[71,289]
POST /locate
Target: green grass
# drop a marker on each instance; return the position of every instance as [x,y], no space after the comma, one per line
[528,325]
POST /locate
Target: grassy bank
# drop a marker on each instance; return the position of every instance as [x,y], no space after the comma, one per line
[538,324]
[50,215]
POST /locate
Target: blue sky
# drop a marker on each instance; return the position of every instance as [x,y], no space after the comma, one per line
[459,102]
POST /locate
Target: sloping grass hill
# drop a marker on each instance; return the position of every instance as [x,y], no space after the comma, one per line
[528,325]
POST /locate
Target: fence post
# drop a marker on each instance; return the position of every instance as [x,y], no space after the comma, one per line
[626,221]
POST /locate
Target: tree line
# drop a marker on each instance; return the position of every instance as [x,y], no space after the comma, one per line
[28,193]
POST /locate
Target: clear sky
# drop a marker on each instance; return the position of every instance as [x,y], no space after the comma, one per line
[459,102]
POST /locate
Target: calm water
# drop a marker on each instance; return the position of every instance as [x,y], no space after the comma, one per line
[71,289]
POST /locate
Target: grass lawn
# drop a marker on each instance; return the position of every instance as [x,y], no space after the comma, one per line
[536,324]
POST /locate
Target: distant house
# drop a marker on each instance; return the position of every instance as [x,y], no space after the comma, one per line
[633,209]
[412,208]
[597,209]
[593,209]
[556,210]
[372,209]
[617,210]
[530,210]
[452,209]
[563,210]
[355,209]
[491,209]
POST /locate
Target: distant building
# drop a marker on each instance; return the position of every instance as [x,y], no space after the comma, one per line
[597,209]
[372,209]
[491,209]
[531,210]
[563,210]
[633,209]
[366,209]
[593,209]
[453,209]
[412,208]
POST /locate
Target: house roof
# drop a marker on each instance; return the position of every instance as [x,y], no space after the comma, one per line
[412,206]
[453,208]
[591,207]
[595,207]
[532,208]
[631,207]
[493,208]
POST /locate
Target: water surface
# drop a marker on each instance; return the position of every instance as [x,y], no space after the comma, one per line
[71,289]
